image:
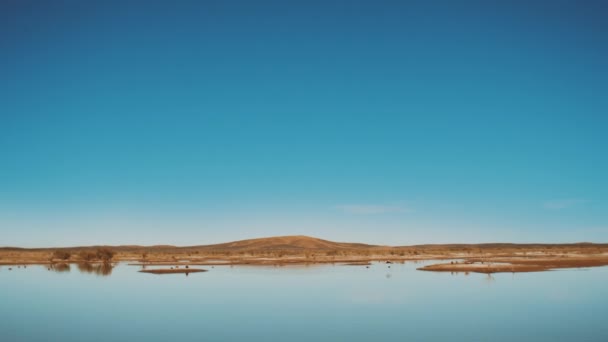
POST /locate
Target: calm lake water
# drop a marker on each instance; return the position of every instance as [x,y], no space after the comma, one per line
[314,303]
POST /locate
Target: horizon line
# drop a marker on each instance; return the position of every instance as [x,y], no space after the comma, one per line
[310,237]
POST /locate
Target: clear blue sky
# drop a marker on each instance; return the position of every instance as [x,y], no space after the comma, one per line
[391,122]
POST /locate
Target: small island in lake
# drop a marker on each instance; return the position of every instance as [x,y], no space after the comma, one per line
[173,270]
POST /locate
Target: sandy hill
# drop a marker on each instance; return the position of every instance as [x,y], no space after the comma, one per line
[302,242]
[285,242]
[296,242]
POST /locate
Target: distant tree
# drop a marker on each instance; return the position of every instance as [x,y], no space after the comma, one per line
[105,254]
[144,255]
[87,255]
[61,255]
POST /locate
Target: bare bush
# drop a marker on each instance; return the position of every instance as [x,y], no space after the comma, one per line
[105,254]
[87,255]
[61,255]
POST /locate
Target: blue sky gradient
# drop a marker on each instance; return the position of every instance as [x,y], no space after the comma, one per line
[390,122]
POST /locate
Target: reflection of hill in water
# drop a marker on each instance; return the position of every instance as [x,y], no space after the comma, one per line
[104,269]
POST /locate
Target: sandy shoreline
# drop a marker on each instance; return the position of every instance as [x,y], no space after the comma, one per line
[518,264]
[488,264]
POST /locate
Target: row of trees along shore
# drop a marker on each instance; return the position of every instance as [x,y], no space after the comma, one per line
[101,254]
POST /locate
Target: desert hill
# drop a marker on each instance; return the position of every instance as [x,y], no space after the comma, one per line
[295,242]
[284,242]
[300,243]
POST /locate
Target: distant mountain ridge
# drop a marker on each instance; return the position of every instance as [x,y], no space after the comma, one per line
[292,242]
[301,242]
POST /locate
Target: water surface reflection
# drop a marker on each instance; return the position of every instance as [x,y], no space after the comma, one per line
[60,268]
[301,304]
[103,269]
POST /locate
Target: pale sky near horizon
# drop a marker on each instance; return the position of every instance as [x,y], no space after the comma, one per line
[388,122]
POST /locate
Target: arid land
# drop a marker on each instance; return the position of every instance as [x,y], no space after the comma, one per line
[291,250]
